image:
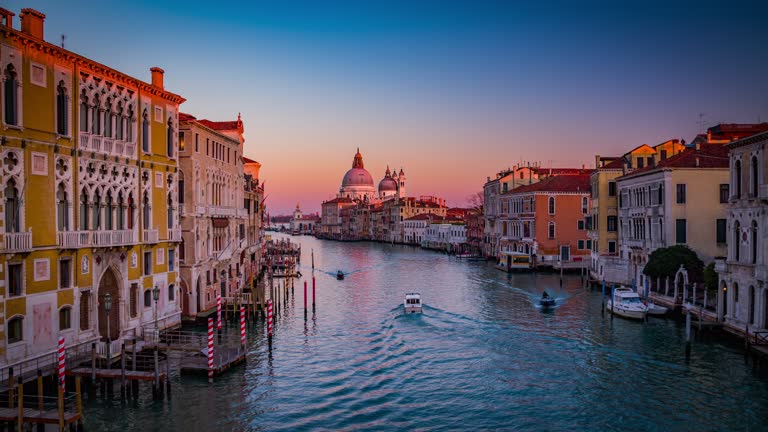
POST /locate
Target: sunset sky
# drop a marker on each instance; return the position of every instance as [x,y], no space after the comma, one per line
[451,91]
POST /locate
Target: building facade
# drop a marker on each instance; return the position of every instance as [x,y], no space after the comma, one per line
[95,150]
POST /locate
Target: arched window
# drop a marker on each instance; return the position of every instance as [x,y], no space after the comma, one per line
[170,212]
[180,187]
[62,208]
[753,176]
[62,109]
[551,233]
[145,131]
[171,290]
[83,210]
[12,210]
[147,298]
[65,318]
[97,211]
[751,305]
[584,205]
[108,211]
[147,212]
[131,210]
[11,96]
[737,178]
[120,210]
[119,121]
[96,116]
[735,293]
[736,241]
[169,138]
[108,119]
[551,205]
[16,329]
[129,125]
[754,242]
[83,112]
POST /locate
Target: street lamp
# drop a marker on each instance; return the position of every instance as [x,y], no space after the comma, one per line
[156,297]
[108,309]
[223,283]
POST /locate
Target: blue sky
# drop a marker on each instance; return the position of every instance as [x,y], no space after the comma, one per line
[452,91]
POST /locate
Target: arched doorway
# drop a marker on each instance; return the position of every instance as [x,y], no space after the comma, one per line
[109,285]
[724,296]
[185,298]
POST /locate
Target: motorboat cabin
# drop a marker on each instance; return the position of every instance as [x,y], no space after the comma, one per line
[626,303]
[412,303]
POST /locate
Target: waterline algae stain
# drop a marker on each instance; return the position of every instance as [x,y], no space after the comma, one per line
[481,356]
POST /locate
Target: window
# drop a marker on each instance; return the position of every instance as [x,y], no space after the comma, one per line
[147,263]
[15,330]
[612,247]
[83,112]
[242,229]
[181,141]
[171,259]
[551,231]
[612,223]
[147,298]
[207,146]
[640,163]
[169,138]
[62,109]
[551,205]
[611,188]
[721,229]
[62,209]
[147,212]
[65,273]
[108,119]
[120,214]
[584,205]
[134,300]
[753,171]
[681,226]
[580,225]
[15,280]
[96,116]
[119,121]
[83,210]
[737,178]
[145,132]
[10,91]
[197,143]
[735,292]
[589,244]
[108,211]
[171,290]
[681,194]
[724,191]
[754,242]
[129,125]
[170,212]
[85,310]
[12,210]
[737,241]
[65,318]
[581,244]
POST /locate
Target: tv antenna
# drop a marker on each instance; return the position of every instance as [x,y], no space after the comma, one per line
[702,122]
[63,37]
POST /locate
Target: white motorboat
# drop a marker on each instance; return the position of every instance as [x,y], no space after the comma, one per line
[657,310]
[412,303]
[626,303]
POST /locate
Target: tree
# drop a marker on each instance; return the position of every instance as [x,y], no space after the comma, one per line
[666,262]
[710,278]
[476,200]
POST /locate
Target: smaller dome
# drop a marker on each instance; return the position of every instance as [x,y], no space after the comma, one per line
[387,184]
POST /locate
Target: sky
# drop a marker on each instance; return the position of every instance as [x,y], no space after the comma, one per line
[451,91]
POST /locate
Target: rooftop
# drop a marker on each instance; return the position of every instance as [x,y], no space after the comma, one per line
[706,156]
[560,183]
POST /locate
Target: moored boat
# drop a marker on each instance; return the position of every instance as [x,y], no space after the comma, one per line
[626,303]
[656,310]
[412,303]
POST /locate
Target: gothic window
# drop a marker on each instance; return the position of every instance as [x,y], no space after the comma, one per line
[62,109]
[551,233]
[551,205]
[97,211]
[737,179]
[169,138]
[11,96]
[120,210]
[119,121]
[181,188]
[108,117]
[83,210]
[62,207]
[753,176]
[736,241]
[83,112]
[170,212]
[131,208]
[145,132]
[108,213]
[171,290]
[129,125]
[147,212]
[754,242]
[12,207]
[96,116]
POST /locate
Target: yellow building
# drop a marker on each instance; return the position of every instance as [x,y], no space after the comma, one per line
[602,222]
[88,168]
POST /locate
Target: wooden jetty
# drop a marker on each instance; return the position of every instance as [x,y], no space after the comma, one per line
[116,374]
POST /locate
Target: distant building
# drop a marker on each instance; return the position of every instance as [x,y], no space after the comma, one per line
[303,223]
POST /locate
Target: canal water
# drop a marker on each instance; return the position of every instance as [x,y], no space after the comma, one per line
[480,357]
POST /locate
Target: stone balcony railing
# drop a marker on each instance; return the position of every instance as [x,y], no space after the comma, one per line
[151,236]
[113,238]
[18,242]
[108,146]
[221,211]
[69,239]
[175,234]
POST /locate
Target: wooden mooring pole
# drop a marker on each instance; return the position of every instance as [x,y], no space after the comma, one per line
[79,396]
[688,335]
[10,387]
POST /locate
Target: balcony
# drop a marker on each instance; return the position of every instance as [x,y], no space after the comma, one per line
[151,236]
[108,145]
[84,140]
[175,234]
[96,143]
[75,239]
[113,238]
[201,209]
[18,242]
[221,211]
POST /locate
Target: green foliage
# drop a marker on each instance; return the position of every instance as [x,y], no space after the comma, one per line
[666,262]
[710,278]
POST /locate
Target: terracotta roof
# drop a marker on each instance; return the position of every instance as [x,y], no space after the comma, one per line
[342,200]
[248,160]
[734,131]
[617,163]
[423,216]
[556,171]
[749,140]
[707,156]
[184,117]
[561,183]
[219,125]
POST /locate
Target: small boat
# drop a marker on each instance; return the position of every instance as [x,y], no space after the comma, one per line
[547,301]
[656,310]
[626,303]
[340,275]
[412,303]
[463,255]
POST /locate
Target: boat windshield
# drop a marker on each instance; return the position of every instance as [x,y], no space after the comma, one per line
[631,299]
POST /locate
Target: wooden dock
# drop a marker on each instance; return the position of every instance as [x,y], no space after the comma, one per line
[37,417]
[116,374]
[223,360]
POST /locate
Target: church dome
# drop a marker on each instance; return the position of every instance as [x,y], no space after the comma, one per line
[387,184]
[357,177]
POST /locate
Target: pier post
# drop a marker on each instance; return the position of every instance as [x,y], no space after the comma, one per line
[305,300]
[61,408]
[210,350]
[561,272]
[602,299]
[21,405]
[122,370]
[93,363]
[269,323]
[168,369]
[157,371]
[79,403]
[40,404]
[10,387]
[313,258]
[313,293]
[688,335]
[666,289]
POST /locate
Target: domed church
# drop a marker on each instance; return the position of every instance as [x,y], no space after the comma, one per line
[357,183]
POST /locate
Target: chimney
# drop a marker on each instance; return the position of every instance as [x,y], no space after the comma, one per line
[698,145]
[32,22]
[157,77]
[597,161]
[6,18]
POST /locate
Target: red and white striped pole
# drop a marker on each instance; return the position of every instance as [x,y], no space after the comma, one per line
[210,349]
[242,326]
[218,312]
[62,365]
[269,320]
